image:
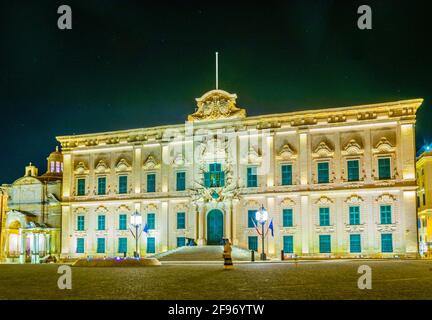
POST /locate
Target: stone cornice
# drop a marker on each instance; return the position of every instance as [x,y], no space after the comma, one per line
[398,110]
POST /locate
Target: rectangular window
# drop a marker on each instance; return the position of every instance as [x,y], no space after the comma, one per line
[123,222]
[253,243]
[214,177]
[354,215]
[151,245]
[80,223]
[355,243]
[181,220]
[418,202]
[325,243]
[424,199]
[81,187]
[181,181]
[385,213]
[100,245]
[80,245]
[252,218]
[122,245]
[181,242]
[288,244]
[324,216]
[151,221]
[101,185]
[252,180]
[353,170]
[101,222]
[287,217]
[323,172]
[151,182]
[286,172]
[384,168]
[386,242]
[123,184]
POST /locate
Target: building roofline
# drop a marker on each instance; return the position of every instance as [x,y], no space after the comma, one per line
[389,107]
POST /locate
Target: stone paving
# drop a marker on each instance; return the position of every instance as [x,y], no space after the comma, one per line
[332,279]
[205,253]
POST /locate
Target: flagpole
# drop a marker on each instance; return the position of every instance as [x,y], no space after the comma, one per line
[217,70]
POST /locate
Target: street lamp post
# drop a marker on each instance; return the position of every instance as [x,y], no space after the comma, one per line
[136,222]
[261,216]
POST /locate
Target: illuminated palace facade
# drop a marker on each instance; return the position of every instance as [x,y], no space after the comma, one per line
[336,182]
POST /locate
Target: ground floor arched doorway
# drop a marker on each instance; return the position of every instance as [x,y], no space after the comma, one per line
[215,227]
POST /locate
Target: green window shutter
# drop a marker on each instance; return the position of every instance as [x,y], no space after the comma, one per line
[252,180]
[287,217]
[101,222]
[252,218]
[151,221]
[324,216]
[325,243]
[286,174]
[253,243]
[355,243]
[100,245]
[386,242]
[80,245]
[122,245]
[384,168]
[123,184]
[101,185]
[151,182]
[181,223]
[354,215]
[288,244]
[181,181]
[122,222]
[385,214]
[80,223]
[181,242]
[323,172]
[81,187]
[151,245]
[353,170]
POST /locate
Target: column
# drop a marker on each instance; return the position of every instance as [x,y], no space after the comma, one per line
[137,170]
[272,213]
[303,159]
[228,221]
[201,239]
[408,151]
[22,239]
[234,218]
[408,227]
[304,205]
[66,233]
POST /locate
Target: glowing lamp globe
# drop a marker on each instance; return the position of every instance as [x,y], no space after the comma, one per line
[261,215]
[136,219]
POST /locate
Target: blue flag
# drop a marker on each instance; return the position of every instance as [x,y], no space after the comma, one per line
[146,229]
[271,227]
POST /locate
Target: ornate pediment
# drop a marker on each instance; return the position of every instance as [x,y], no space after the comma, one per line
[217,104]
[179,160]
[324,200]
[102,167]
[286,153]
[383,146]
[123,208]
[323,151]
[151,163]
[81,168]
[253,156]
[123,166]
[80,210]
[287,202]
[354,199]
[215,148]
[352,148]
[102,209]
[386,198]
[151,207]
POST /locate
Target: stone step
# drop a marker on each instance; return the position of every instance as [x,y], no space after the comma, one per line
[203,253]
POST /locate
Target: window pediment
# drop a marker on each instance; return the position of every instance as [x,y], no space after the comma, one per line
[123,166]
[151,163]
[324,200]
[102,209]
[123,208]
[386,198]
[102,167]
[179,160]
[287,202]
[81,168]
[384,146]
[354,199]
[352,148]
[286,153]
[322,151]
[151,207]
[252,157]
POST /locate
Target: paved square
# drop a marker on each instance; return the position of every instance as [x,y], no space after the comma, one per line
[333,279]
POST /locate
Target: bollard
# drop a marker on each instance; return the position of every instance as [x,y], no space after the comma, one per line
[252,255]
[282,255]
[124,254]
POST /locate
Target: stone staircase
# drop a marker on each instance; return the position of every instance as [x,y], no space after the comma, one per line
[202,253]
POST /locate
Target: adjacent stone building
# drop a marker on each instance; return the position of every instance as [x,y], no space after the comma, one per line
[31,226]
[336,182]
[424,201]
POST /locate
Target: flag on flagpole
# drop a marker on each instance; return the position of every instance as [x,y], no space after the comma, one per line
[146,229]
[256,228]
[271,228]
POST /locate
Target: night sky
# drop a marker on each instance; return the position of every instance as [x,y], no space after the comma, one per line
[131,64]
